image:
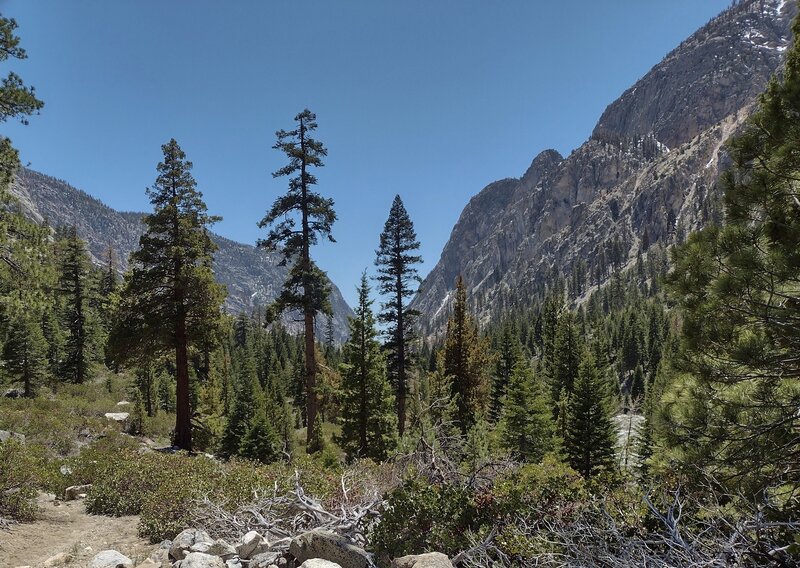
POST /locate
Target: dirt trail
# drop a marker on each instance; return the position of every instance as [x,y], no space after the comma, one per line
[65,527]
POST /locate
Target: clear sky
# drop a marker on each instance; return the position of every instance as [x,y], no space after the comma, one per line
[431,100]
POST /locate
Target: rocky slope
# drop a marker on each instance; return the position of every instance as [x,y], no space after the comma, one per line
[647,174]
[252,276]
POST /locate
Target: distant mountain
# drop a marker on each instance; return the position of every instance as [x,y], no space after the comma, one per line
[646,175]
[252,275]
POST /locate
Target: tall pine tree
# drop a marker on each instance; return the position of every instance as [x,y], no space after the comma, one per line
[590,435]
[169,300]
[396,275]
[75,315]
[466,361]
[526,425]
[368,424]
[307,289]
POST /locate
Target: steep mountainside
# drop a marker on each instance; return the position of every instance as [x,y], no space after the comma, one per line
[252,276]
[647,174]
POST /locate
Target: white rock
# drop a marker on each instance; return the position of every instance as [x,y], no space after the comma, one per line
[319,563]
[429,560]
[58,560]
[200,560]
[110,559]
[264,559]
[221,548]
[251,544]
[117,416]
[76,491]
[183,543]
[123,403]
[329,546]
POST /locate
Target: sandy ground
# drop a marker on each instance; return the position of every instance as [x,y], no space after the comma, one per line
[65,527]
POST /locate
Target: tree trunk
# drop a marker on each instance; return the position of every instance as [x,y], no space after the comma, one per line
[401,361]
[311,380]
[183,425]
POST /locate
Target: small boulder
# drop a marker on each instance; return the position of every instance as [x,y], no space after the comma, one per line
[118,417]
[319,563]
[200,560]
[58,560]
[149,563]
[160,556]
[76,492]
[429,560]
[123,403]
[251,544]
[329,546]
[233,562]
[110,559]
[183,543]
[221,548]
[5,436]
[264,559]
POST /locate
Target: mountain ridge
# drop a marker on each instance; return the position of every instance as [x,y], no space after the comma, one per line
[252,276]
[647,173]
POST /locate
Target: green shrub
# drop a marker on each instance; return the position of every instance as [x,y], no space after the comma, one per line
[423,517]
[17,482]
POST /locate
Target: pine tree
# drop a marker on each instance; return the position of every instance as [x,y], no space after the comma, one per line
[509,353]
[368,424]
[248,405]
[567,349]
[396,275]
[260,442]
[526,426]
[76,315]
[590,435]
[25,350]
[735,410]
[169,299]
[466,361]
[307,289]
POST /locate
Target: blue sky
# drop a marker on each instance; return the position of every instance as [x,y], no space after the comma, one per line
[431,100]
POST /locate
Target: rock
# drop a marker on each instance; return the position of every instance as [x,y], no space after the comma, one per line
[76,492]
[429,560]
[319,563]
[264,559]
[328,546]
[123,403]
[149,563]
[14,393]
[120,417]
[200,560]
[161,555]
[182,543]
[58,560]
[222,549]
[5,436]
[110,559]
[233,562]
[251,544]
[65,469]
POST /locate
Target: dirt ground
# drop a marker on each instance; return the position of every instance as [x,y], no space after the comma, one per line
[65,527]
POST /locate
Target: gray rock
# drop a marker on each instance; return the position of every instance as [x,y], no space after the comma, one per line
[222,549]
[118,416]
[429,560]
[5,436]
[110,559]
[233,562]
[264,559]
[319,563]
[251,544]
[160,555]
[200,560]
[59,559]
[76,492]
[329,546]
[183,543]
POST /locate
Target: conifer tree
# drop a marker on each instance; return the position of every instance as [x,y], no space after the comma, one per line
[590,435]
[526,426]
[76,317]
[509,353]
[169,300]
[737,285]
[307,289]
[466,361]
[248,405]
[25,350]
[396,274]
[368,423]
[567,349]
